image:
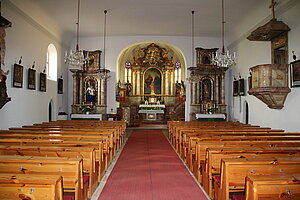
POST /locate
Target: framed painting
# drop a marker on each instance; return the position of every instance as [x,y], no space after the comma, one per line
[18,76]
[241,87]
[235,88]
[60,86]
[152,81]
[43,82]
[31,79]
[295,73]
[93,63]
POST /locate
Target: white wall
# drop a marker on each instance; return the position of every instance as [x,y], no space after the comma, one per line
[254,53]
[28,39]
[115,45]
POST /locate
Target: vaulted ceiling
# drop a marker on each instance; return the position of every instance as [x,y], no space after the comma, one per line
[138,17]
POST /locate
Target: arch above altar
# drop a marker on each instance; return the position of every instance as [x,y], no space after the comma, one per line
[151,72]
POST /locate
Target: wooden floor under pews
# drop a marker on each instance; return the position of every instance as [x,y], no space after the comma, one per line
[60,160]
[239,161]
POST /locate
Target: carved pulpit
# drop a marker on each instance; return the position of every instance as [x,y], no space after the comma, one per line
[270,81]
[207,85]
[4,23]
[89,86]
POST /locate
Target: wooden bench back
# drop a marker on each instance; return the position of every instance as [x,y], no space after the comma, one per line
[235,170]
[273,187]
[33,186]
[69,168]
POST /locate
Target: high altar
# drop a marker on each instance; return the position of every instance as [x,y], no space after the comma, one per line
[89,88]
[151,87]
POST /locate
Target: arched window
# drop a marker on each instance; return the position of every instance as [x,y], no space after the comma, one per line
[51,62]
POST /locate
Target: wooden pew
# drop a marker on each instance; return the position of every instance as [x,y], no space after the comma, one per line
[105,137]
[269,187]
[69,168]
[116,137]
[202,146]
[62,143]
[185,142]
[87,154]
[265,136]
[24,186]
[235,170]
[215,155]
[106,141]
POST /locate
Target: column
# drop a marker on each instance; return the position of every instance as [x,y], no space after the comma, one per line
[99,92]
[223,89]
[138,77]
[102,91]
[81,92]
[197,93]
[216,100]
[75,100]
[134,82]
[167,83]
[194,92]
[172,83]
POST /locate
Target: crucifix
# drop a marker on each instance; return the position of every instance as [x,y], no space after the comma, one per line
[273,4]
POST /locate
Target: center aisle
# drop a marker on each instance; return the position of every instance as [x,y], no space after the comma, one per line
[149,169]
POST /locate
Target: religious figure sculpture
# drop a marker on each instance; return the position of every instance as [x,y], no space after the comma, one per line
[3,89]
[90,93]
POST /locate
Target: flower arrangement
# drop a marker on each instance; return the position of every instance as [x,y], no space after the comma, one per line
[85,108]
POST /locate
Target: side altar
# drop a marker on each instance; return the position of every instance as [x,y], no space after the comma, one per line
[207,86]
[89,86]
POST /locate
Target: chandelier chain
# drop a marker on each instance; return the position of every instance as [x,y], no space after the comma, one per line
[193,37]
[223,59]
[76,58]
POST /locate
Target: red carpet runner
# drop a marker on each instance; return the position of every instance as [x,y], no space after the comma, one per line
[149,169]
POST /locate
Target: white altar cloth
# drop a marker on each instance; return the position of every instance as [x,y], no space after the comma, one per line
[86,116]
[222,116]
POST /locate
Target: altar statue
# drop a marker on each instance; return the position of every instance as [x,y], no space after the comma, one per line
[90,93]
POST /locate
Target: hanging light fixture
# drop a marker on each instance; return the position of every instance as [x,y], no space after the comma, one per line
[223,59]
[76,58]
[193,77]
[104,72]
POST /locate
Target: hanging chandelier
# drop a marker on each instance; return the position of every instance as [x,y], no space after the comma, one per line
[104,72]
[223,59]
[76,58]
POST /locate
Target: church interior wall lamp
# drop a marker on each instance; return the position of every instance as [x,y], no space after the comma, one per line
[270,81]
[76,58]
[223,59]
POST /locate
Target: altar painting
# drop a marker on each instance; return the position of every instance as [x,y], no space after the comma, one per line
[152,81]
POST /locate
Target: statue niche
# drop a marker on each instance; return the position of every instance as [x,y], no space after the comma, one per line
[152,83]
[91,86]
[206,89]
